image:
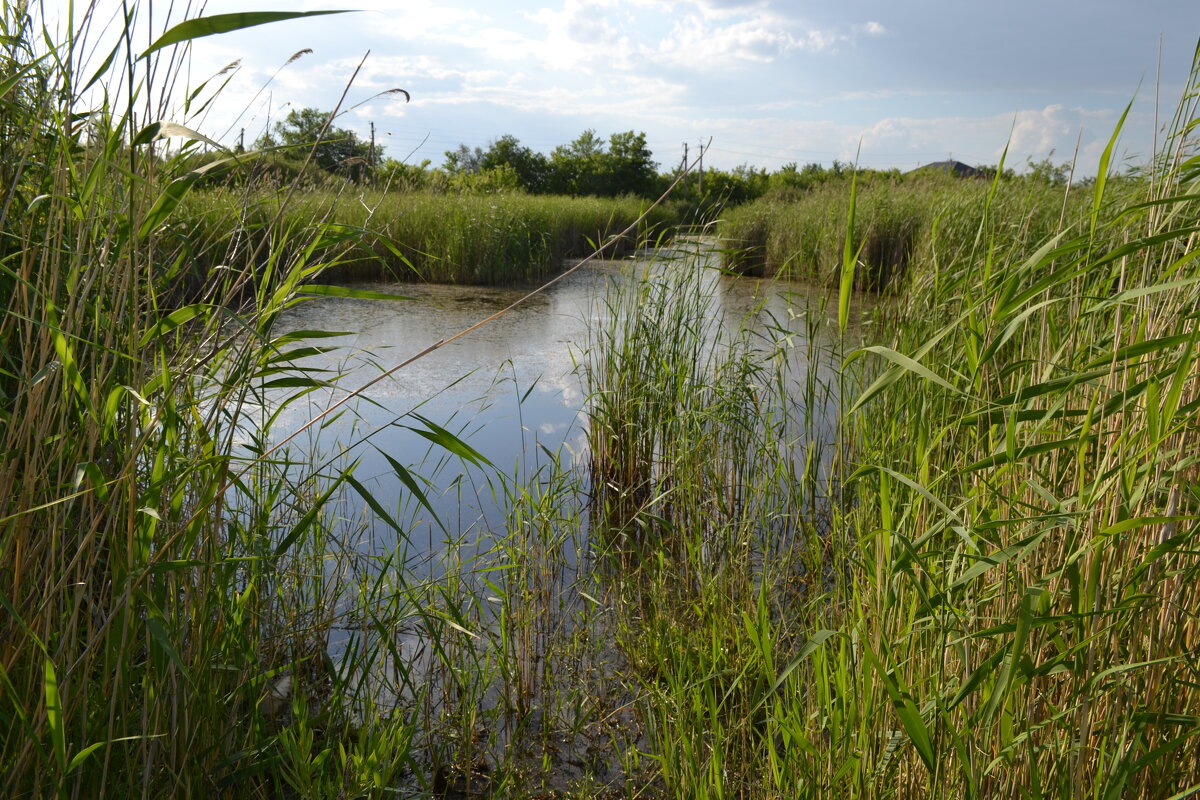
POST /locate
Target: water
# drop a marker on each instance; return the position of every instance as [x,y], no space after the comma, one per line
[510,390]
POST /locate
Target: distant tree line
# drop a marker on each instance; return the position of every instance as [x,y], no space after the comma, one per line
[622,164]
[586,166]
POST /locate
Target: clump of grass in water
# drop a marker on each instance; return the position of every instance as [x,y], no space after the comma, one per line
[705,494]
[688,422]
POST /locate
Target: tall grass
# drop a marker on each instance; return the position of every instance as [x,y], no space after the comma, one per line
[166,587]
[986,589]
[486,239]
[1003,603]
[710,514]
[1027,511]
[913,220]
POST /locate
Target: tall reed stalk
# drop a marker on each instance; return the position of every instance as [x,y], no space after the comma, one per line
[167,595]
[1003,602]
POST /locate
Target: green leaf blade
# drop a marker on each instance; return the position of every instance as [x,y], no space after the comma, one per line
[227,23]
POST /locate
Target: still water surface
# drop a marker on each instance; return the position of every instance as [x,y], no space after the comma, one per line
[511,390]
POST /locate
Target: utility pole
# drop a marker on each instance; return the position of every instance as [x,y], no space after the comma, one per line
[372,153]
[701,166]
[242,141]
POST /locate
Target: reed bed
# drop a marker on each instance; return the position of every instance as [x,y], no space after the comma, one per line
[1003,605]
[168,583]
[919,219]
[490,239]
[978,581]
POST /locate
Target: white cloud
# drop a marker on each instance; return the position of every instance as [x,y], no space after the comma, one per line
[1038,131]
[645,97]
[388,71]
[906,142]
[875,29]
[699,43]
[419,19]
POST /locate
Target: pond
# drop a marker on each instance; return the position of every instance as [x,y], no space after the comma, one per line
[512,390]
[481,609]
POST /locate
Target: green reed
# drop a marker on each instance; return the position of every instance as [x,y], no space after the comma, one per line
[489,239]
[169,585]
[1002,604]
[977,581]
[899,221]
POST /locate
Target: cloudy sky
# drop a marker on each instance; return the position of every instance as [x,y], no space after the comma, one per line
[768,81]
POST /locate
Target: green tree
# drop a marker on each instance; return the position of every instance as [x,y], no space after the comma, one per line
[630,166]
[399,176]
[337,151]
[577,168]
[791,181]
[589,166]
[532,169]
[464,159]
[1047,172]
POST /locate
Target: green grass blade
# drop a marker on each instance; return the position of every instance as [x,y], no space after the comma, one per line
[54,714]
[406,477]
[1102,170]
[906,710]
[849,259]
[447,441]
[226,23]
[911,365]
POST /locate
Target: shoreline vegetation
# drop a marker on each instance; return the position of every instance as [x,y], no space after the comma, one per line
[979,579]
[484,239]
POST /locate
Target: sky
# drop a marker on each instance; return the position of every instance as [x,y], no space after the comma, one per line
[760,82]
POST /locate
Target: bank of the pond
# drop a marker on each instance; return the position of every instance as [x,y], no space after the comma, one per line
[488,239]
[925,219]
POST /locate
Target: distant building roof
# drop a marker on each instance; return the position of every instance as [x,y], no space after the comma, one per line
[957,167]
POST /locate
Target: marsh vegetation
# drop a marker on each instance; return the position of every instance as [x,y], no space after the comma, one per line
[939,542]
